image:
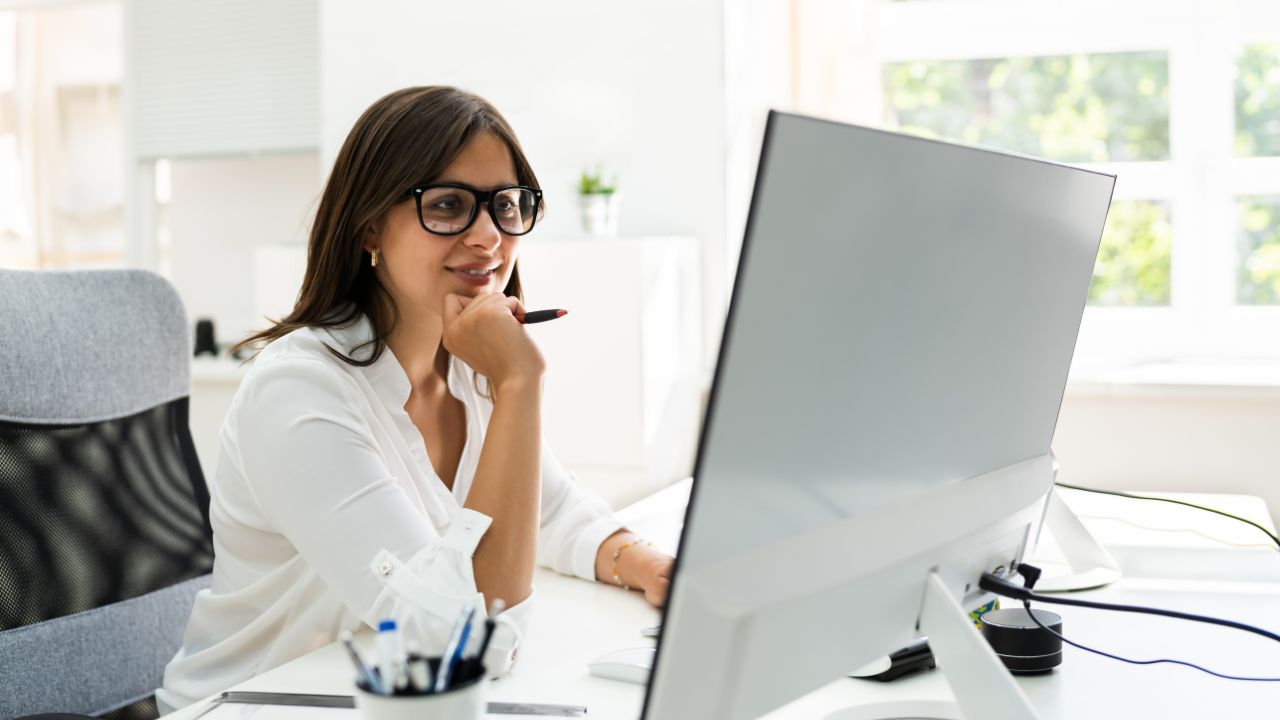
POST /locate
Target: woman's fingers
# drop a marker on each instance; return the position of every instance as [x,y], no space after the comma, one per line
[454,305]
[514,304]
[482,332]
[656,593]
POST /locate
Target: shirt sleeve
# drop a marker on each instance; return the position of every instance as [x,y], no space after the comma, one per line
[315,471]
[575,521]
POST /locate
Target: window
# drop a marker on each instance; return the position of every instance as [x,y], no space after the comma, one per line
[61,137]
[1100,108]
[1259,280]
[1180,99]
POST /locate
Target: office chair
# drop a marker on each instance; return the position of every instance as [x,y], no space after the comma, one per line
[104,527]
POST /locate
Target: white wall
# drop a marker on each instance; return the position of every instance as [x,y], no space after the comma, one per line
[1192,439]
[221,210]
[758,78]
[636,86]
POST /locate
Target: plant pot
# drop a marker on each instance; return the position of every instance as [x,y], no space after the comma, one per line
[600,214]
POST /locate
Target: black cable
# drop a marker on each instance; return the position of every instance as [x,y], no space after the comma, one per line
[1275,539]
[1027,604]
[1000,586]
[1031,574]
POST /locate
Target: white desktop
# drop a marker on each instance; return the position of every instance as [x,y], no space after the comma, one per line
[878,433]
[1172,556]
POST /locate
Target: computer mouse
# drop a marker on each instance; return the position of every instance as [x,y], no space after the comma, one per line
[629,665]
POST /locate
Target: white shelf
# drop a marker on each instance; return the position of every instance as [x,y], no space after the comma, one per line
[205,369]
[1207,376]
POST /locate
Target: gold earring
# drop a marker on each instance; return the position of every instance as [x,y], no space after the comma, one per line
[374,260]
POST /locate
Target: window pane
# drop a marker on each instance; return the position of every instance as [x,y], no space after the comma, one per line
[1259,238]
[1133,261]
[1073,108]
[1258,100]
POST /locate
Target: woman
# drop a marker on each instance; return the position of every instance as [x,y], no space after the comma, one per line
[383,457]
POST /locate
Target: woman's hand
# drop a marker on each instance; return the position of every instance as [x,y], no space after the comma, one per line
[656,578]
[639,566]
[484,333]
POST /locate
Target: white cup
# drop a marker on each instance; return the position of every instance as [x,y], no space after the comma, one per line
[464,701]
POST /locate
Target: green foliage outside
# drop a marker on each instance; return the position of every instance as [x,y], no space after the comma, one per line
[1258,101]
[1133,262]
[1073,108]
[1258,134]
[1258,282]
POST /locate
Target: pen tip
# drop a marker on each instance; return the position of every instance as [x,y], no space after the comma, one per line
[561,313]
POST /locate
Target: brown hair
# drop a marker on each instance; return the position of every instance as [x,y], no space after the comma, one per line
[404,139]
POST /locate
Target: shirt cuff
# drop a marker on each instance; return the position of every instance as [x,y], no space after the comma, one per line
[587,546]
[466,530]
[508,635]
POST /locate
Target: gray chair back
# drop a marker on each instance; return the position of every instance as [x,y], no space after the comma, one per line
[104,529]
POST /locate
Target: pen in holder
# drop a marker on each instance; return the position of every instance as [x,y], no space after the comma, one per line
[464,699]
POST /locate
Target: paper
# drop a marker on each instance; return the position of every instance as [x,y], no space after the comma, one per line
[250,711]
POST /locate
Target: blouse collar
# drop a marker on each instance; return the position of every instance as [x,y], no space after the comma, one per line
[386,375]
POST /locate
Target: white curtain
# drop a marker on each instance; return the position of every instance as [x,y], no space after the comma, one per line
[61,141]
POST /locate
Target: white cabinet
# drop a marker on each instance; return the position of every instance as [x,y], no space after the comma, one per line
[623,387]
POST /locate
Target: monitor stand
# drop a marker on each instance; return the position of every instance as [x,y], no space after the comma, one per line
[1088,564]
[981,684]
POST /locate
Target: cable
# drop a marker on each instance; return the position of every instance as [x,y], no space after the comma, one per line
[1274,538]
[1031,574]
[1175,531]
[1000,586]
[1027,604]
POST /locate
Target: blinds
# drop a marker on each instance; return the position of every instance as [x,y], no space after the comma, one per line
[223,77]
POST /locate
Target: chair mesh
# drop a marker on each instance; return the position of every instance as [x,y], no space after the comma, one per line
[97,513]
[144,709]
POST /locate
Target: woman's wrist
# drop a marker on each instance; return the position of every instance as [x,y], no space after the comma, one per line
[518,387]
[636,564]
[626,566]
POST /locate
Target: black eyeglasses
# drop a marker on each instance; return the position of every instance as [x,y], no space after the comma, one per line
[449,208]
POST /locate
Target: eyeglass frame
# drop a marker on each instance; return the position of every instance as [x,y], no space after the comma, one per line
[481,196]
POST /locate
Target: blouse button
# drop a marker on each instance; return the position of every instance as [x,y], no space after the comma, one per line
[385,568]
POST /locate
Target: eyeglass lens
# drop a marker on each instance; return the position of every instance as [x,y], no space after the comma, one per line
[448,210]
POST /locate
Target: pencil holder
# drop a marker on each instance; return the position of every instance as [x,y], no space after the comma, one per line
[464,700]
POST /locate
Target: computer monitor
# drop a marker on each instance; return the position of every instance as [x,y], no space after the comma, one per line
[878,430]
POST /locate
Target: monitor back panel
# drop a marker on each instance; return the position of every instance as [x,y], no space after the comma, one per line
[904,316]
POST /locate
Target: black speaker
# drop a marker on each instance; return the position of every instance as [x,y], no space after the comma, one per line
[205,341]
[1023,646]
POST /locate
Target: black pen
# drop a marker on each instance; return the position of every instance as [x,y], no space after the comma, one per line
[494,610]
[366,675]
[537,316]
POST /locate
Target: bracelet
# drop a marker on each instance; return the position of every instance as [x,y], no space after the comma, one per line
[618,553]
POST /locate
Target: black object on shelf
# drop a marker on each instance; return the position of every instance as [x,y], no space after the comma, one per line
[205,341]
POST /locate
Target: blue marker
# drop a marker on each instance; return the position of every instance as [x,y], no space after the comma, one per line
[453,650]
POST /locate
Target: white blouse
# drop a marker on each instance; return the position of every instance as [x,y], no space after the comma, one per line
[327,515]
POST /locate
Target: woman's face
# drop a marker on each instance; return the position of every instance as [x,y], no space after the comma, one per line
[419,268]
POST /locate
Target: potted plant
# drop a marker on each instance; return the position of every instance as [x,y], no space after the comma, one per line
[600,200]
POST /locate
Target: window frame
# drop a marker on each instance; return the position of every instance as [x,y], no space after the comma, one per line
[1200,181]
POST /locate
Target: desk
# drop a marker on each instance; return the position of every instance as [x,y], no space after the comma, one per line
[577,621]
